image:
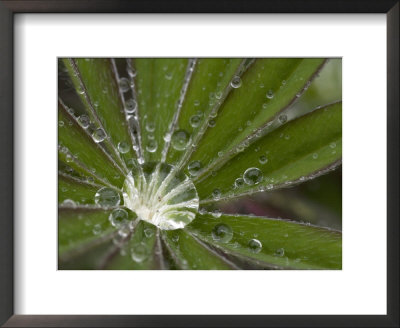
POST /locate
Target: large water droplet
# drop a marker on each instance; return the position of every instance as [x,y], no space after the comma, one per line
[98,135]
[123,147]
[180,140]
[252,176]
[161,195]
[255,245]
[118,217]
[222,233]
[107,197]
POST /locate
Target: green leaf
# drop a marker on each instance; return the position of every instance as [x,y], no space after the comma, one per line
[268,87]
[285,244]
[193,254]
[78,150]
[96,81]
[139,251]
[158,86]
[82,229]
[211,77]
[301,149]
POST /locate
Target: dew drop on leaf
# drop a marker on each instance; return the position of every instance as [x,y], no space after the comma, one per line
[270,94]
[118,217]
[107,197]
[279,252]
[216,213]
[332,145]
[130,106]
[180,140]
[236,82]
[315,156]
[148,232]
[96,229]
[98,135]
[216,194]
[282,118]
[195,121]
[252,176]
[150,127]
[239,182]
[84,121]
[124,84]
[151,146]
[211,123]
[139,252]
[255,246]
[263,159]
[123,147]
[222,233]
[69,203]
[194,168]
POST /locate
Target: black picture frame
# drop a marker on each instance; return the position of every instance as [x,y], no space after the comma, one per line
[10,7]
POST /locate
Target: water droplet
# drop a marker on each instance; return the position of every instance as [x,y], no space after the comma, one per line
[282,118]
[239,182]
[168,76]
[211,123]
[270,94]
[151,146]
[96,229]
[216,194]
[279,252]
[139,252]
[175,238]
[130,106]
[99,135]
[218,95]
[107,197]
[255,246]
[263,159]
[194,168]
[123,147]
[61,123]
[131,71]
[124,84]
[68,158]
[150,127]
[222,233]
[315,156]
[118,217]
[69,203]
[252,176]
[332,145]
[264,105]
[195,121]
[180,140]
[84,121]
[148,232]
[216,214]
[236,82]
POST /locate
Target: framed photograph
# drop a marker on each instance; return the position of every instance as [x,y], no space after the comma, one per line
[203,164]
